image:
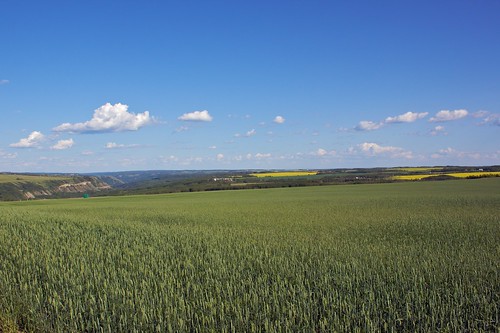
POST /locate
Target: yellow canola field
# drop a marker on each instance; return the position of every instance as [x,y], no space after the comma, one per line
[284,174]
[475,174]
[456,175]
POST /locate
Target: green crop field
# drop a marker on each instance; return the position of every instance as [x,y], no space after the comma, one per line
[402,257]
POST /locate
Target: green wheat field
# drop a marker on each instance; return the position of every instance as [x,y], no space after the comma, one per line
[402,257]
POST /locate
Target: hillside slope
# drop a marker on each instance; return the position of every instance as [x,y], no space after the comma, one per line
[30,186]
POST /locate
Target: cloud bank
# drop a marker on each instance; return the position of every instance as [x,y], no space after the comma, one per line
[109,118]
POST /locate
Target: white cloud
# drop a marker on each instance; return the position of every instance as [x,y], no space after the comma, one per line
[212,147]
[196,116]
[169,159]
[407,117]
[323,152]
[257,156]
[446,115]
[195,160]
[492,119]
[447,151]
[373,149]
[236,116]
[33,140]
[480,114]
[487,117]
[366,125]
[438,130]
[181,129]
[451,153]
[128,162]
[7,155]
[63,144]
[109,118]
[220,157]
[248,134]
[180,161]
[251,133]
[4,81]
[114,145]
[279,120]
[261,156]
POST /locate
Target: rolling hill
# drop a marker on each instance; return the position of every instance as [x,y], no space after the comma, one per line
[38,186]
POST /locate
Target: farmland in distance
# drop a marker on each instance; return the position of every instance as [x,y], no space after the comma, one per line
[417,256]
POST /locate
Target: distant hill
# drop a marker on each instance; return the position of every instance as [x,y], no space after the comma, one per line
[170,181]
[132,179]
[39,186]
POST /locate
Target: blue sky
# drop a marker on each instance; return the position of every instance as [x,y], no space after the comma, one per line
[127,85]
